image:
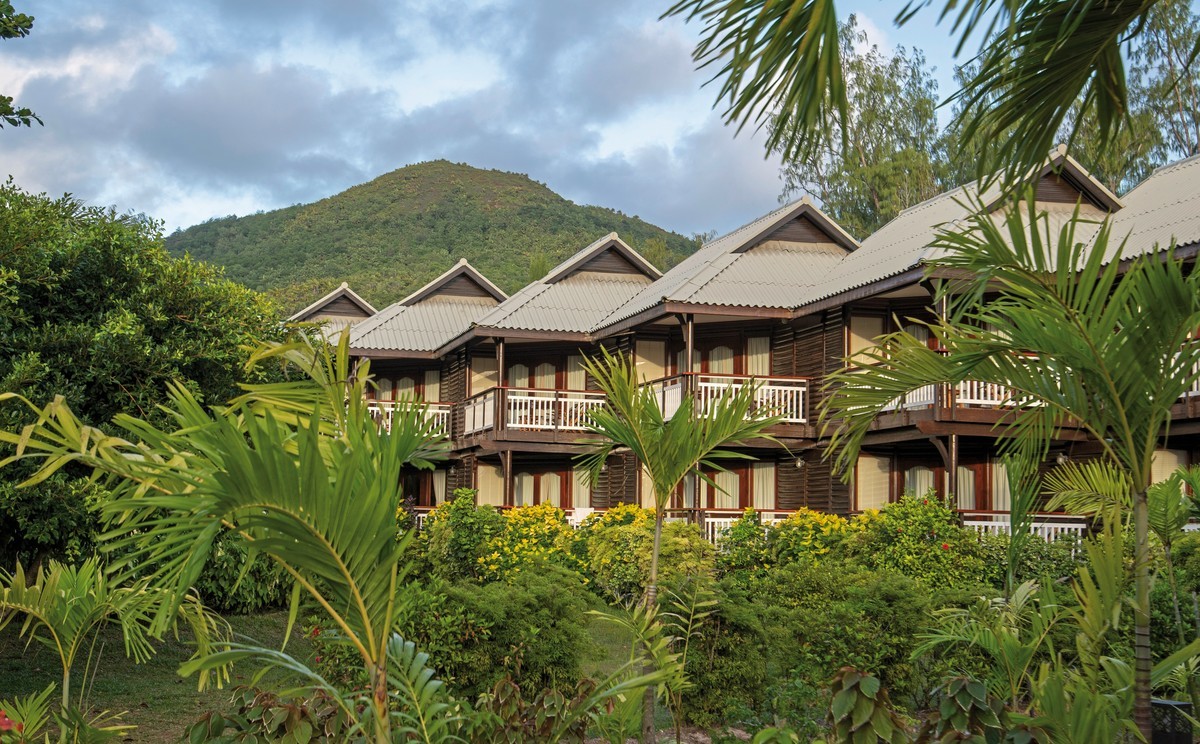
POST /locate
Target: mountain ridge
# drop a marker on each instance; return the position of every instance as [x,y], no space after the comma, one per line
[391,235]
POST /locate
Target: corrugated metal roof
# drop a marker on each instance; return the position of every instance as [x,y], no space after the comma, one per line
[772,274]
[424,326]
[575,304]
[1164,208]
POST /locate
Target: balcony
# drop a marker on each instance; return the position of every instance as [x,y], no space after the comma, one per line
[384,410]
[968,393]
[785,396]
[1049,526]
[529,409]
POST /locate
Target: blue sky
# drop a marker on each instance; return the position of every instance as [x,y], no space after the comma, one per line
[187,111]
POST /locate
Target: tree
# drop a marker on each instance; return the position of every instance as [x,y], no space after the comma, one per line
[1069,337]
[1167,78]
[781,61]
[668,449]
[96,310]
[656,251]
[888,157]
[14,25]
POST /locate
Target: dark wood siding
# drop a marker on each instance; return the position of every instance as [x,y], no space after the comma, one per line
[462,475]
[454,387]
[462,286]
[799,230]
[783,351]
[341,307]
[617,484]
[611,262]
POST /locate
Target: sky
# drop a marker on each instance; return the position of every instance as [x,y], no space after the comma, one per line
[188,111]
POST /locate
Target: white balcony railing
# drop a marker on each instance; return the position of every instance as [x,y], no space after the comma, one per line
[384,410]
[785,396]
[479,413]
[549,410]
[1049,527]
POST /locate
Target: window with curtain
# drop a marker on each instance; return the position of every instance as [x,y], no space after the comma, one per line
[762,477]
[433,386]
[490,482]
[919,480]
[550,490]
[1001,495]
[483,373]
[543,376]
[965,488]
[581,490]
[523,489]
[872,480]
[758,356]
[576,377]
[405,388]
[1165,462]
[439,487]
[726,494]
[518,375]
[383,388]
[864,332]
[647,487]
[651,359]
[720,361]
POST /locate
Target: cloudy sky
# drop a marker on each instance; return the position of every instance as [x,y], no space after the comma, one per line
[187,111]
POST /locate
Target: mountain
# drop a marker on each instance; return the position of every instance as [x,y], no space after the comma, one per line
[392,235]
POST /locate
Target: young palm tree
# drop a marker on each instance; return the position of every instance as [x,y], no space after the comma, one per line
[778,61]
[1078,337]
[668,449]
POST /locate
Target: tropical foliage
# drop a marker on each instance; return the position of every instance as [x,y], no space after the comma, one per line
[392,235]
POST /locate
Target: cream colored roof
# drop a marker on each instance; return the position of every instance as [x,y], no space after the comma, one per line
[571,300]
[1164,208]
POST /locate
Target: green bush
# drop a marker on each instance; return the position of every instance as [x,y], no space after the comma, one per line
[56,520]
[228,585]
[742,549]
[618,552]
[919,537]
[806,535]
[1040,559]
[456,534]
[532,536]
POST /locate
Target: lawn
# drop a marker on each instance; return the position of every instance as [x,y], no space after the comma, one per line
[152,696]
[161,704]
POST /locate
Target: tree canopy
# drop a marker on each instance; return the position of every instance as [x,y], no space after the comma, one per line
[94,309]
[14,25]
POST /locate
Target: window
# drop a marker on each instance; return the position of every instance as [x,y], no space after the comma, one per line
[758,356]
[919,480]
[550,490]
[762,477]
[865,331]
[483,373]
[523,486]
[872,480]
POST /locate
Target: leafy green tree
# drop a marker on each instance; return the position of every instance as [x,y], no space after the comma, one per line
[888,155]
[94,309]
[1070,339]
[668,449]
[14,25]
[781,61]
[1167,78]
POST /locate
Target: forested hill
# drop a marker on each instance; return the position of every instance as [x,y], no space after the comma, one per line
[392,235]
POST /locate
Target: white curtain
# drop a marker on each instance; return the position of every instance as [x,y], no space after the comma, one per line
[581,490]
[523,489]
[383,388]
[483,373]
[439,486]
[918,480]
[725,495]
[490,482]
[433,386]
[551,490]
[576,377]
[872,479]
[966,488]
[720,360]
[758,356]
[1001,495]
[762,476]
[404,388]
[518,375]
[651,359]
[543,376]
[1165,462]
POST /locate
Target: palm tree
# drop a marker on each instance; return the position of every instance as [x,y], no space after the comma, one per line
[1078,337]
[668,449]
[779,65]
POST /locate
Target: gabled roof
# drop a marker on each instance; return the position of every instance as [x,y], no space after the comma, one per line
[1164,208]
[576,294]
[769,262]
[343,292]
[905,243]
[420,323]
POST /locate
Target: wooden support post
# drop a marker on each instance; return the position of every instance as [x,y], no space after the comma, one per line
[506,466]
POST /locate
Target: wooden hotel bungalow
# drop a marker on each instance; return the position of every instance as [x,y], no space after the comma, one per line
[784,300]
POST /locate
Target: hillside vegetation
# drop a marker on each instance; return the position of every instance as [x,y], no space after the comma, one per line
[391,235]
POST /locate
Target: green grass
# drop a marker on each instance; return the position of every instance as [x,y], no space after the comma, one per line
[152,696]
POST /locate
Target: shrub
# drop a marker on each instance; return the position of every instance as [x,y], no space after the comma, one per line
[617,553]
[743,547]
[456,534]
[228,585]
[806,535]
[55,520]
[920,538]
[1040,560]
[532,535]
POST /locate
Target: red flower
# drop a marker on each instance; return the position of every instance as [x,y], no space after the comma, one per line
[5,723]
[20,727]
[945,546]
[899,529]
[925,502]
[318,659]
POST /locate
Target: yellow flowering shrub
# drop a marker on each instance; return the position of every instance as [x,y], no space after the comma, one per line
[530,535]
[806,534]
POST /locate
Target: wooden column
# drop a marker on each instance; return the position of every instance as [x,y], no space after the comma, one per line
[506,466]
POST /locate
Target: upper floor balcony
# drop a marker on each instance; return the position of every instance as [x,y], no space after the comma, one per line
[383,411]
[529,410]
[783,396]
